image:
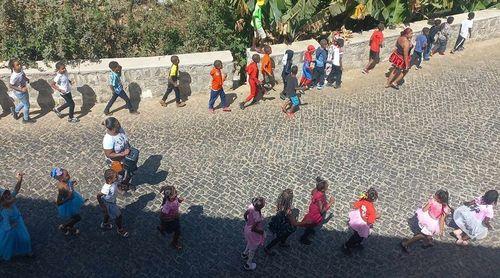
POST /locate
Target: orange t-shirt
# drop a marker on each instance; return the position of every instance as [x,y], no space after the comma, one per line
[267,66]
[217,79]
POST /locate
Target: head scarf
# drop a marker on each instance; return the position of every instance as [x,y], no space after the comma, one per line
[309,52]
[56,172]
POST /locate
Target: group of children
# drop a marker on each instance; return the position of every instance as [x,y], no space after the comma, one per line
[471,220]
[14,236]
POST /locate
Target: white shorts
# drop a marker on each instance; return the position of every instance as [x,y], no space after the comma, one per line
[260,33]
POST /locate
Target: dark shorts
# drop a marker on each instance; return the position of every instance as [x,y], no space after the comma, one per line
[375,56]
[170,226]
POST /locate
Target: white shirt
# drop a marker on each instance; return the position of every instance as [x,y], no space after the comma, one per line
[464,30]
[62,82]
[110,192]
[18,79]
[117,143]
[336,54]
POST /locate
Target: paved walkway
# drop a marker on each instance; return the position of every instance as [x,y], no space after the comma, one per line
[441,130]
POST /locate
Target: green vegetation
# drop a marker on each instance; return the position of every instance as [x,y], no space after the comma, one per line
[93,29]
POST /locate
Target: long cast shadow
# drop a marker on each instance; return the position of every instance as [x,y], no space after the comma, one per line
[212,247]
[149,173]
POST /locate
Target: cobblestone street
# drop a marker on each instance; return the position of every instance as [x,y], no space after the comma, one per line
[441,130]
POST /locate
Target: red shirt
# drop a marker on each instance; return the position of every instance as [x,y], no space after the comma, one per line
[314,216]
[253,72]
[217,79]
[376,40]
[367,210]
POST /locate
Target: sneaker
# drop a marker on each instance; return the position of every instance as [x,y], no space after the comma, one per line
[135,112]
[73,120]
[226,109]
[336,86]
[319,88]
[211,110]
[181,104]
[163,103]
[364,71]
[14,113]
[123,233]
[242,106]
[29,121]
[251,266]
[418,67]
[106,226]
[57,112]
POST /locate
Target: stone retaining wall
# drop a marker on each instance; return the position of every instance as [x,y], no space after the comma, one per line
[146,77]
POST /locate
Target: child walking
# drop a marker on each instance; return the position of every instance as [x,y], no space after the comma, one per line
[420,47]
[474,217]
[217,88]
[173,83]
[336,52]
[443,35]
[253,80]
[253,231]
[317,210]
[14,237]
[430,220]
[62,84]
[169,216]
[431,39]
[361,220]
[465,33]
[376,42]
[115,84]
[107,201]
[69,201]
[18,83]
[307,67]
[283,224]
[291,105]
[320,64]
[287,69]
[268,79]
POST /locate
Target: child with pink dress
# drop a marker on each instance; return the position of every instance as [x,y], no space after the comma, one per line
[473,218]
[361,220]
[253,231]
[430,220]
[317,210]
[169,216]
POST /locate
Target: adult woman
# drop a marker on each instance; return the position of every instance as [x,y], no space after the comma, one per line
[400,59]
[473,218]
[116,148]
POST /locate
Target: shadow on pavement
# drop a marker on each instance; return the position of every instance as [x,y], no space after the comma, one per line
[212,247]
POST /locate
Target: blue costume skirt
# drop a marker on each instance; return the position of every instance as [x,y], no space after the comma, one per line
[71,207]
[13,240]
[306,71]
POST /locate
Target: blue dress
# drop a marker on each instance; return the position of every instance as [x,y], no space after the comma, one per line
[306,71]
[71,207]
[13,240]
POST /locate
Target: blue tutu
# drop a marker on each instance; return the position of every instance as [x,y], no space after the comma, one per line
[13,240]
[71,207]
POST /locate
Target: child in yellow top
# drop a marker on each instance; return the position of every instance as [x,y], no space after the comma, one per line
[173,83]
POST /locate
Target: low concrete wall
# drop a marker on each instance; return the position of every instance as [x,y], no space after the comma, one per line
[143,77]
[486,26]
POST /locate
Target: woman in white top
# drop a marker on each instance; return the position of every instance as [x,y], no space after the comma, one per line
[62,84]
[116,148]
